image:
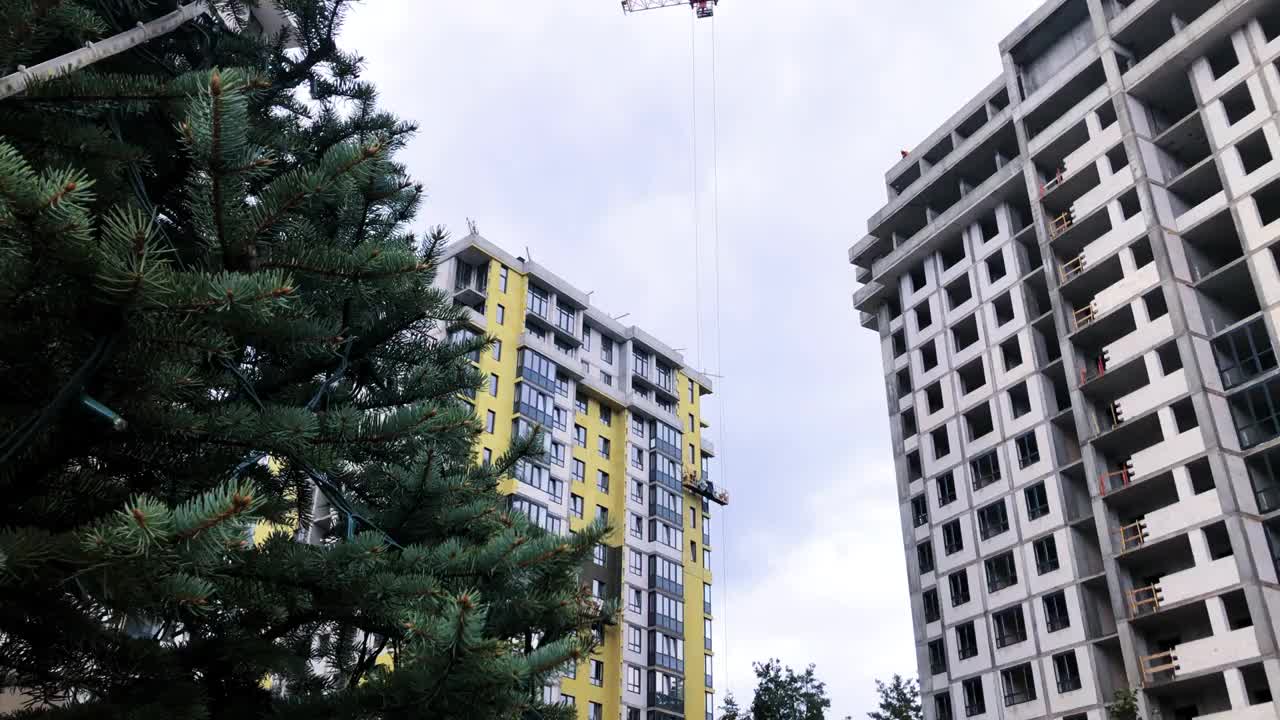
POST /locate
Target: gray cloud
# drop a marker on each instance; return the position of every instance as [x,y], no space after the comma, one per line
[564,126]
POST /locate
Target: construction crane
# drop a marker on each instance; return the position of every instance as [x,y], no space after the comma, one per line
[703,8]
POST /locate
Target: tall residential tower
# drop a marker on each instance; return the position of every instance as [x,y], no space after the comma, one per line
[1076,290]
[622,417]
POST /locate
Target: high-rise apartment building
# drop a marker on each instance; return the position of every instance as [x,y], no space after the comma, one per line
[1076,289]
[622,418]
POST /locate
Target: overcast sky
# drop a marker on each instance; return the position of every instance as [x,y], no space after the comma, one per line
[565,127]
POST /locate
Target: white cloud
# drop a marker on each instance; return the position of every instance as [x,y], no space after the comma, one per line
[829,593]
[564,126]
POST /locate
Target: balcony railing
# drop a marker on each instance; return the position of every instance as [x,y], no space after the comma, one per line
[666,513]
[668,586]
[538,379]
[659,620]
[665,661]
[666,448]
[1144,600]
[668,481]
[668,701]
[1114,480]
[538,416]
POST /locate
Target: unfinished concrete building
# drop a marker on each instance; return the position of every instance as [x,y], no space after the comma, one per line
[1076,290]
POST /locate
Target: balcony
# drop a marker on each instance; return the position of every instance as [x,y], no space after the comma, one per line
[471,284]
[664,661]
[566,360]
[670,701]
[665,513]
[648,406]
[665,480]
[657,582]
[657,619]
[708,447]
[1199,655]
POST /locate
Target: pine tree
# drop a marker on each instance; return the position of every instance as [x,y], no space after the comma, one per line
[783,694]
[221,339]
[899,700]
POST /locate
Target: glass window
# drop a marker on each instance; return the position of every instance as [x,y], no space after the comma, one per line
[496,349]
[637,457]
[586,330]
[603,446]
[557,454]
[637,491]
[490,418]
[606,349]
[919,511]
[579,470]
[1028,449]
[635,639]
[493,385]
[486,456]
[946,489]
[986,469]
[569,700]
[602,481]
[1019,684]
[637,526]
[602,514]
[1056,616]
[559,418]
[637,426]
[1037,499]
[1002,572]
[942,707]
[501,315]
[959,584]
[635,600]
[1046,550]
[975,702]
[579,436]
[993,520]
[606,415]
[966,641]
[1010,626]
[502,278]
[633,679]
[1066,671]
[937,656]
[576,506]
[537,300]
[924,556]
[597,672]
[952,538]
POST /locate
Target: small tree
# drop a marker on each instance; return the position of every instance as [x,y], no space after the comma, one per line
[899,700]
[730,710]
[1125,705]
[783,694]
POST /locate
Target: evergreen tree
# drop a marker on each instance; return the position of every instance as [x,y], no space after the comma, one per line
[783,694]
[729,710]
[217,319]
[899,700]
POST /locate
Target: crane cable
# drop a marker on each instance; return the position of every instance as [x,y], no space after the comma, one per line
[693,136]
[722,430]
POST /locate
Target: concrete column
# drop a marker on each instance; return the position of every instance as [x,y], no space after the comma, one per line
[1200,550]
[1235,689]
[1217,615]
